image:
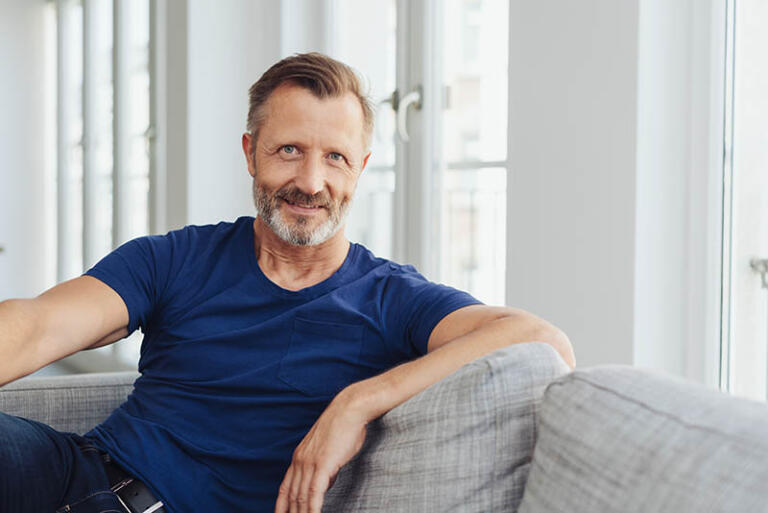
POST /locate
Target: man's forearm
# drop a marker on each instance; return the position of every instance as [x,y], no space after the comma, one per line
[377,395]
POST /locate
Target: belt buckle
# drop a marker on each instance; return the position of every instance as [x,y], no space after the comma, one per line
[154,507]
[122,484]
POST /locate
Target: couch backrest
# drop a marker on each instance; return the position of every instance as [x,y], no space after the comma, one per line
[67,403]
[616,438]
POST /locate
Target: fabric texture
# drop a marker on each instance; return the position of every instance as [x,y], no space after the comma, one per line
[462,445]
[43,470]
[235,370]
[67,403]
[619,439]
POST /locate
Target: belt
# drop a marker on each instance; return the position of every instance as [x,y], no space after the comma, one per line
[131,492]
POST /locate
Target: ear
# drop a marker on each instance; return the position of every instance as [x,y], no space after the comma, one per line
[248,143]
[365,161]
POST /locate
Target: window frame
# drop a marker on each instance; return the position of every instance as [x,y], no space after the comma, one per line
[121,355]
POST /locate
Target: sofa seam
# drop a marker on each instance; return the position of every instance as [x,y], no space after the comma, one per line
[648,407]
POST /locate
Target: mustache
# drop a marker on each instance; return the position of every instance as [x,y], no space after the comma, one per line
[295,196]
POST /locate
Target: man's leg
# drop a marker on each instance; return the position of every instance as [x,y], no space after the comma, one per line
[42,470]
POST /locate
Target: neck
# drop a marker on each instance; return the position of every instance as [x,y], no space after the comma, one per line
[297,267]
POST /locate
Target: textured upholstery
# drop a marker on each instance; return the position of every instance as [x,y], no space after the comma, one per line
[463,444]
[618,439]
[67,403]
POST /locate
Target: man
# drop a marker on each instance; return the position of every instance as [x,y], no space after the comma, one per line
[269,343]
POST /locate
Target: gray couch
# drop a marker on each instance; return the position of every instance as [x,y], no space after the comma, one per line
[515,431]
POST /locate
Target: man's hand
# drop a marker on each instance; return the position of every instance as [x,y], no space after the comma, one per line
[334,439]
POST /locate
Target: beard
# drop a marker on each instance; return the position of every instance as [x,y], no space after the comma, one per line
[300,231]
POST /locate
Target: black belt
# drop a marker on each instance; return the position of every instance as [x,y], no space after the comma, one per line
[132,493]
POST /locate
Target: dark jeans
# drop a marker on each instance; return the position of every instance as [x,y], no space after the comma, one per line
[45,471]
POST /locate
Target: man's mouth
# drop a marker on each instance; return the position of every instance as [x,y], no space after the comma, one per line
[302,205]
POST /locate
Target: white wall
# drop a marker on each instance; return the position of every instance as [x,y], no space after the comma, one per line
[613,194]
[24,138]
[571,193]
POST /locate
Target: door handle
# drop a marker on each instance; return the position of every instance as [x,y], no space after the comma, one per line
[2,248]
[760,266]
[412,98]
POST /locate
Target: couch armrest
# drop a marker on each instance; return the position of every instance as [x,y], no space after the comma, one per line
[463,444]
[67,403]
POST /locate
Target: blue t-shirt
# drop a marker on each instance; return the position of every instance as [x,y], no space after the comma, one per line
[235,370]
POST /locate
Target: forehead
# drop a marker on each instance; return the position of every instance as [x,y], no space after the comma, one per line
[294,112]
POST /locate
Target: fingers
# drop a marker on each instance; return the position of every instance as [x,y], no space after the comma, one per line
[295,490]
[317,489]
[302,500]
[283,499]
[314,484]
[302,484]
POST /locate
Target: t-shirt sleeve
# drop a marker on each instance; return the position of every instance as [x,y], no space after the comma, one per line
[414,306]
[139,271]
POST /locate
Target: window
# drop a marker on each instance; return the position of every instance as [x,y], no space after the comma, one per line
[745,287]
[371,49]
[434,194]
[103,148]
[472,179]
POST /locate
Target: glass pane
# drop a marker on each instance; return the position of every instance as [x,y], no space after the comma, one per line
[472,239]
[101,132]
[474,47]
[371,213]
[369,47]
[749,300]
[472,196]
[137,26]
[71,175]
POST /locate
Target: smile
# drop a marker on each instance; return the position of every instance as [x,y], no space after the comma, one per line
[302,209]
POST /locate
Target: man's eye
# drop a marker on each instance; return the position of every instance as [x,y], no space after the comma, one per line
[337,156]
[289,148]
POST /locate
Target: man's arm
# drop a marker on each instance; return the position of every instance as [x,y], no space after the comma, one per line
[461,337]
[78,314]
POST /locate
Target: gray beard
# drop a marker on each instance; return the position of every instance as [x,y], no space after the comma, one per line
[298,234]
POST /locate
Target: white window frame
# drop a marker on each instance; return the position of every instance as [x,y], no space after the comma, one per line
[113,357]
[418,190]
[737,270]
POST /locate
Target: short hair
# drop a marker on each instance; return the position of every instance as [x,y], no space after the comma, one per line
[321,75]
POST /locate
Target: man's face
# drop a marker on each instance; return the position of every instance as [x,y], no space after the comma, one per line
[306,163]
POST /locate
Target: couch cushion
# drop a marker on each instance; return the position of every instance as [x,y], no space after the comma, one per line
[463,444]
[616,438]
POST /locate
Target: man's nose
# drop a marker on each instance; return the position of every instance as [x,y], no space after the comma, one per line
[311,176]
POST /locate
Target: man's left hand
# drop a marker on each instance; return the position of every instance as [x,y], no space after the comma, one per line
[334,439]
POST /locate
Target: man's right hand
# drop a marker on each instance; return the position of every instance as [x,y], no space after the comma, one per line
[81,313]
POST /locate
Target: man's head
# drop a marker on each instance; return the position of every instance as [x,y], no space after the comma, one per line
[309,129]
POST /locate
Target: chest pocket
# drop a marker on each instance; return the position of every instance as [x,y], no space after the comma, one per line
[322,358]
